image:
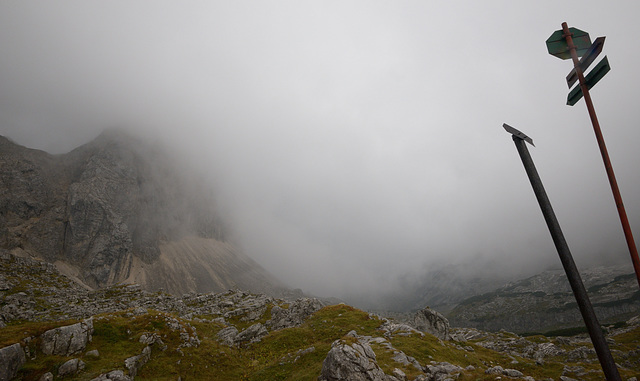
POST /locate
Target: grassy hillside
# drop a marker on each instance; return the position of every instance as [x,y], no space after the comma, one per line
[289,354]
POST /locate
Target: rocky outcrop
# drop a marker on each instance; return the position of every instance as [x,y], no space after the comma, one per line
[354,361]
[67,340]
[253,334]
[114,375]
[294,315]
[134,363]
[432,322]
[70,367]
[354,358]
[119,209]
[227,335]
[11,359]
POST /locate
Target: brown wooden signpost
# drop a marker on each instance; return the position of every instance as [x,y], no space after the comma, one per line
[573,43]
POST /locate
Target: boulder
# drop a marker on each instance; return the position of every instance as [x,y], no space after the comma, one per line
[134,363]
[11,359]
[114,375]
[94,353]
[72,366]
[227,336]
[252,334]
[498,370]
[67,340]
[443,371]
[351,361]
[432,322]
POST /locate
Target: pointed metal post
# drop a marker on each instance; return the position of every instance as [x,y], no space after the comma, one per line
[580,293]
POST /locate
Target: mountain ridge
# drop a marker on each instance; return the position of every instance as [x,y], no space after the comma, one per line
[113,210]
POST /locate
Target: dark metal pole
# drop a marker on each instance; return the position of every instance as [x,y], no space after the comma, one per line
[588,315]
[633,251]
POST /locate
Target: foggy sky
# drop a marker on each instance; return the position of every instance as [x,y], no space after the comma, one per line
[350,143]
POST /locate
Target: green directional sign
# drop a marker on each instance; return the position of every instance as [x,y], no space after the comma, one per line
[557,43]
[586,60]
[591,79]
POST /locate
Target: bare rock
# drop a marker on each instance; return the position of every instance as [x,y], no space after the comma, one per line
[295,315]
[432,322]
[67,340]
[72,366]
[11,359]
[351,361]
[442,371]
[498,370]
[114,375]
[93,353]
[252,334]
[227,336]
[134,363]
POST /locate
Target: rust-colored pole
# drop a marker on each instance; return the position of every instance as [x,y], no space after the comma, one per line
[605,155]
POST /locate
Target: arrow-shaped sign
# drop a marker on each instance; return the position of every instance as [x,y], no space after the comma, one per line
[517,133]
[591,79]
[586,60]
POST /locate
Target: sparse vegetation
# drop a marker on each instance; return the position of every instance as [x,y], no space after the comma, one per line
[189,346]
[289,354]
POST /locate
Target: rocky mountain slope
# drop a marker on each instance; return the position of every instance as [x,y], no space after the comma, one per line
[52,329]
[545,302]
[119,209]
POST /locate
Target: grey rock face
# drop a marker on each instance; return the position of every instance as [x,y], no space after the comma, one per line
[114,375]
[545,302]
[498,370]
[46,377]
[356,362]
[134,363]
[11,359]
[67,340]
[295,315]
[432,322]
[252,334]
[70,367]
[443,371]
[227,336]
[117,208]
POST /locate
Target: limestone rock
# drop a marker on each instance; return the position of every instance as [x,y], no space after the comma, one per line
[252,334]
[545,302]
[355,362]
[11,359]
[67,340]
[227,335]
[442,371]
[430,321]
[72,366]
[498,370]
[114,375]
[120,209]
[93,353]
[134,363]
[295,315]
[353,359]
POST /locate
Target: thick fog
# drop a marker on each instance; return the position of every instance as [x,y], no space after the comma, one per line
[353,146]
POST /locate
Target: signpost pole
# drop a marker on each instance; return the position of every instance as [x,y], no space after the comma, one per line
[584,304]
[603,151]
